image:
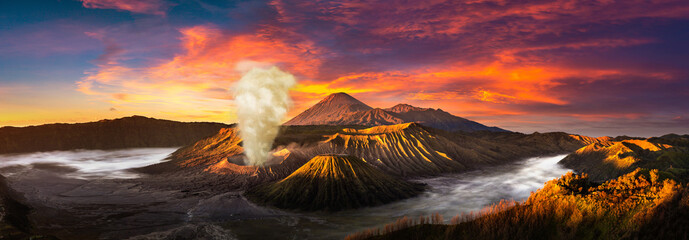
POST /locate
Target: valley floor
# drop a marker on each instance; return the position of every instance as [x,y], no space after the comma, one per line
[70,208]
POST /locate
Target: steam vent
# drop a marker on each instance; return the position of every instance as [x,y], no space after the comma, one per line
[333,183]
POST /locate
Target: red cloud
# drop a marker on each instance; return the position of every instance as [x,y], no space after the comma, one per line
[197,80]
[156,7]
[500,62]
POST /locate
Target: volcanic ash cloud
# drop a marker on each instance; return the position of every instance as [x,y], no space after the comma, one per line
[262,99]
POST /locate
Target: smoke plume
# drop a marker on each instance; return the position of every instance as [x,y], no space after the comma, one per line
[262,99]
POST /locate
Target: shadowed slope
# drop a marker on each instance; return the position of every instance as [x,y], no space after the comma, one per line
[439,119]
[332,183]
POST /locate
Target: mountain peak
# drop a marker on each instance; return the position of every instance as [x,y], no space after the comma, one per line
[342,109]
[403,107]
[329,110]
[341,98]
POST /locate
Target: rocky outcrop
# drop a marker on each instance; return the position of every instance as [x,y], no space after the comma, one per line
[332,183]
[128,132]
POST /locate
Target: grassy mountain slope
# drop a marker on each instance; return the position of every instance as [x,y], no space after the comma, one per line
[646,198]
[639,205]
[606,160]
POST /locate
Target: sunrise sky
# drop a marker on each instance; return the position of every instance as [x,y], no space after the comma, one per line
[591,67]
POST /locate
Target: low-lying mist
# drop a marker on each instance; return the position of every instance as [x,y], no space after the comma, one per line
[84,164]
[447,195]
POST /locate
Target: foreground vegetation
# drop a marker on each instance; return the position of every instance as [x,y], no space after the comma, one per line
[647,202]
[642,204]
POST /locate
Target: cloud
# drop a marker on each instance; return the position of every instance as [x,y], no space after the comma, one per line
[201,73]
[61,37]
[155,7]
[507,63]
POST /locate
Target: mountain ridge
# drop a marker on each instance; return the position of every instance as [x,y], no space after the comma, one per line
[343,109]
[332,183]
[127,132]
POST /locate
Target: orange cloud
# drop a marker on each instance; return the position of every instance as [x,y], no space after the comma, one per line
[198,79]
[156,7]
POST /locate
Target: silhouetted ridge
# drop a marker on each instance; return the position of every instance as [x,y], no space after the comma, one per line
[128,132]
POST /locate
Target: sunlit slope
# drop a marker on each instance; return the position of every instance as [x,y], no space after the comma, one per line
[211,149]
[225,146]
[642,204]
[405,149]
[605,160]
[332,183]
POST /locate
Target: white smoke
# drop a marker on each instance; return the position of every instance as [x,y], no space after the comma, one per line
[262,99]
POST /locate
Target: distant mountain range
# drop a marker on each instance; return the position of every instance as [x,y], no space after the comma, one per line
[343,109]
[128,132]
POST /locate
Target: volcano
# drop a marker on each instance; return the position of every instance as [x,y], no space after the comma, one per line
[333,183]
[329,110]
[343,109]
[406,150]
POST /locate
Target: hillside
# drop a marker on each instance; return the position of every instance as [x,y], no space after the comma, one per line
[343,109]
[610,159]
[642,204]
[639,191]
[408,149]
[128,132]
[439,119]
[332,183]
[538,143]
